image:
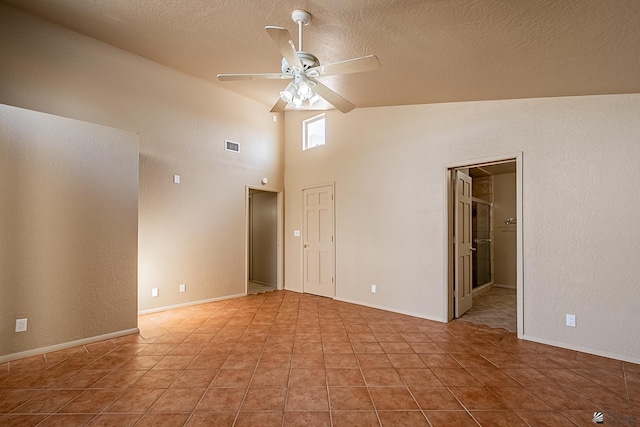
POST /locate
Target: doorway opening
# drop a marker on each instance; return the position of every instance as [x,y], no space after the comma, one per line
[482,235]
[484,243]
[264,241]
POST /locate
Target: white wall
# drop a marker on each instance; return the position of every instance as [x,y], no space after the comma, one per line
[192,233]
[580,223]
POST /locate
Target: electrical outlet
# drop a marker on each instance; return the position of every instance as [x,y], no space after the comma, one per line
[154,292]
[21,325]
[571,320]
[183,287]
[373,289]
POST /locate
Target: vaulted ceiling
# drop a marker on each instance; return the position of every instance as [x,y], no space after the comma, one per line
[431,51]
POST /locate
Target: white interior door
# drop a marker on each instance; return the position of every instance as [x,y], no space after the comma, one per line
[463,247]
[318,241]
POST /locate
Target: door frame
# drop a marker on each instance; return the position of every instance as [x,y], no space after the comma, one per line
[448,230]
[335,238]
[279,235]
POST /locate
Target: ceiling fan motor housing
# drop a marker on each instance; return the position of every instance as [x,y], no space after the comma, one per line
[308,61]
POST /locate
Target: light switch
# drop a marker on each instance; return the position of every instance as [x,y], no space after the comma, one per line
[21,325]
[571,320]
[176,179]
[154,292]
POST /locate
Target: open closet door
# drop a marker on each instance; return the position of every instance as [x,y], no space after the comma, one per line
[463,247]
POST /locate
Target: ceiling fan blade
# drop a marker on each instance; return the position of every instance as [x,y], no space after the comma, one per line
[333,98]
[282,39]
[258,76]
[279,106]
[356,65]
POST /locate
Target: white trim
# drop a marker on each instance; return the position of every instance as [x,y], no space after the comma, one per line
[392,310]
[482,287]
[602,353]
[64,346]
[517,156]
[258,282]
[280,241]
[505,286]
[331,184]
[305,125]
[188,304]
[519,247]
[447,211]
[502,158]
[310,187]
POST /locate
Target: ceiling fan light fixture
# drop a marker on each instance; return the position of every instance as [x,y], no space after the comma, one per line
[314,99]
[289,93]
[304,90]
[298,92]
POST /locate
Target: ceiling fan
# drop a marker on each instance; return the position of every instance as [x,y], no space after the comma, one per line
[302,68]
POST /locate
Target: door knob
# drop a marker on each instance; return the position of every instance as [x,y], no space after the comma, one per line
[473,249]
[306,246]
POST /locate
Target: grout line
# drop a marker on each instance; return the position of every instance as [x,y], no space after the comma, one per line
[365,379]
[326,377]
[467,410]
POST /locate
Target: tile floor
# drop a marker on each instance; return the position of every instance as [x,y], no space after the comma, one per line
[495,308]
[254,288]
[287,359]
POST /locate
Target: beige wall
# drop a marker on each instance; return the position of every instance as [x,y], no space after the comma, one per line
[580,230]
[68,221]
[504,236]
[194,232]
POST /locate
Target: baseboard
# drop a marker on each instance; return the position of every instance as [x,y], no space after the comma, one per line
[602,353]
[263,283]
[482,289]
[504,286]
[187,304]
[64,346]
[379,307]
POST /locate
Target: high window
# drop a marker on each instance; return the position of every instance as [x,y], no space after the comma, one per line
[313,132]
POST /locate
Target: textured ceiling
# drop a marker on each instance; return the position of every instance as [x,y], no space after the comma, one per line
[431,50]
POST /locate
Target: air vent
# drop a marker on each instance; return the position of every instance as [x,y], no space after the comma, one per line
[232,146]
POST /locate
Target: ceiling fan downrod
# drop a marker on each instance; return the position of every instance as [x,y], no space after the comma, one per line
[302,18]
